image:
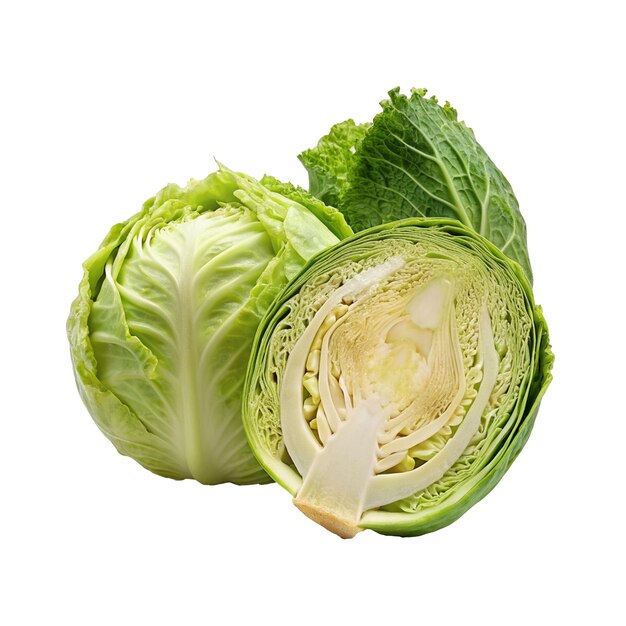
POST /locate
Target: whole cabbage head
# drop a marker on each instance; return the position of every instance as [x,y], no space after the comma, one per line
[167,310]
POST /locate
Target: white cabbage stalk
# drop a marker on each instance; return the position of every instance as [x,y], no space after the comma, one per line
[396,379]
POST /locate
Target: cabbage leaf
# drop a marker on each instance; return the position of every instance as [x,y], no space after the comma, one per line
[416,160]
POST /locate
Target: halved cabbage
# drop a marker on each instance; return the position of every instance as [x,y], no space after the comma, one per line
[162,328]
[397,377]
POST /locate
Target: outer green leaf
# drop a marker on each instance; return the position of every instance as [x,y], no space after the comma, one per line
[332,159]
[417,159]
[331,217]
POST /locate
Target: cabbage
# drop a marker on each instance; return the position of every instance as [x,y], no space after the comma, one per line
[395,380]
[168,306]
[416,160]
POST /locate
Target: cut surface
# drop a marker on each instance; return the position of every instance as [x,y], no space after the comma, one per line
[388,374]
[399,366]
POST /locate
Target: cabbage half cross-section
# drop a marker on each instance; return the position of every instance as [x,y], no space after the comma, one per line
[397,378]
[163,325]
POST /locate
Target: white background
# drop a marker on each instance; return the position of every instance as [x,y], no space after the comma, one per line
[104,103]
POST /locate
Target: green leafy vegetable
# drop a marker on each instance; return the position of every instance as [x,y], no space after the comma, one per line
[397,377]
[416,159]
[168,306]
[329,163]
